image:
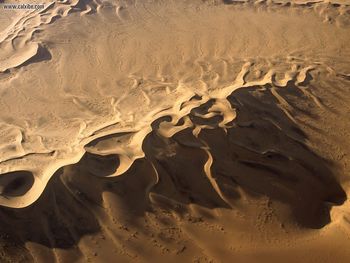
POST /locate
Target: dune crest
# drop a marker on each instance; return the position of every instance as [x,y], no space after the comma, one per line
[211,74]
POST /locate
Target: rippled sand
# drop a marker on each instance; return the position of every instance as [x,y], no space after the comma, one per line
[163,130]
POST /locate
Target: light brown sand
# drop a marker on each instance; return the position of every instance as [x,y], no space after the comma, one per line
[169,131]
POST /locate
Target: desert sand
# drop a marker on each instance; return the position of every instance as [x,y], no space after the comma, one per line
[175,131]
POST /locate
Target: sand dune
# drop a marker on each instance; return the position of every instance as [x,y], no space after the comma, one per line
[202,131]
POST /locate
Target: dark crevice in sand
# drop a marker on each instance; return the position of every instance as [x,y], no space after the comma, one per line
[43,54]
[16,183]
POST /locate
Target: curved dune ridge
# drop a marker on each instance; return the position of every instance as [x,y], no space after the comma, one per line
[178,106]
[35,140]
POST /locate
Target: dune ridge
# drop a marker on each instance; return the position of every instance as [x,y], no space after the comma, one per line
[154,188]
[208,87]
[130,149]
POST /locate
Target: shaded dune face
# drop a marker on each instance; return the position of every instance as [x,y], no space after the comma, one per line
[163,121]
[252,158]
[16,183]
[259,155]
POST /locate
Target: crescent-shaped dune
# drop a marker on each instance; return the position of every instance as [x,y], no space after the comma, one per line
[191,130]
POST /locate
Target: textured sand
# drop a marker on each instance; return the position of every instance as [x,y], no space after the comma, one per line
[163,130]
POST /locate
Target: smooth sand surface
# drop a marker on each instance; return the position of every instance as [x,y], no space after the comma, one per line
[175,131]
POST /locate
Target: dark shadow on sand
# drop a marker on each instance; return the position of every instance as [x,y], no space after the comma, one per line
[264,153]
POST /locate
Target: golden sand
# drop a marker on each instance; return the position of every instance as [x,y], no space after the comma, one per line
[175,130]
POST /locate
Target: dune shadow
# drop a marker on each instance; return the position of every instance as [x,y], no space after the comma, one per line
[56,220]
[43,54]
[16,183]
[263,153]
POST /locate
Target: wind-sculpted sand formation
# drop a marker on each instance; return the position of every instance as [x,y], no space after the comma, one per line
[163,130]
